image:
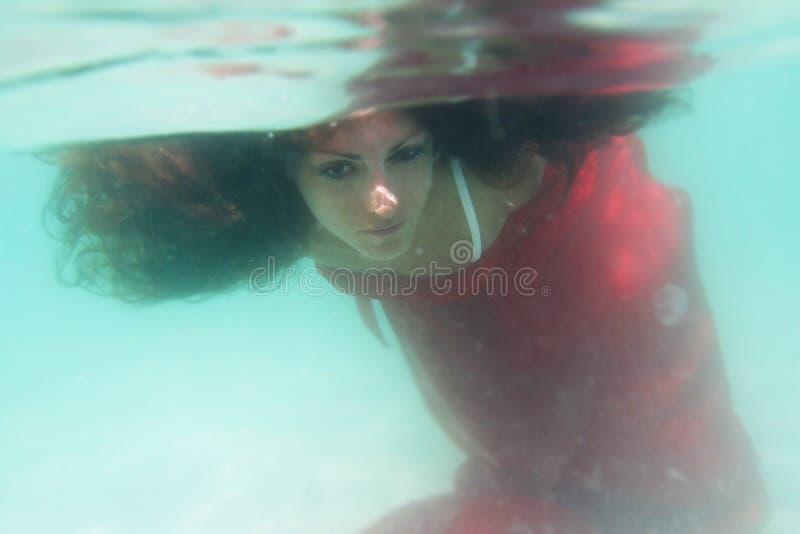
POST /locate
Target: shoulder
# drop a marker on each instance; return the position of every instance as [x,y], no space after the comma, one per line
[642,227]
[496,201]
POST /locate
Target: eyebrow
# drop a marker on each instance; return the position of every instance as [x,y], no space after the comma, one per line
[357,157]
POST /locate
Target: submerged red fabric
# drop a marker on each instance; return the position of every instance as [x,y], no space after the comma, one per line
[599,386]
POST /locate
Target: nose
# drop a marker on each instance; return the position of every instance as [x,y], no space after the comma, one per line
[382,201]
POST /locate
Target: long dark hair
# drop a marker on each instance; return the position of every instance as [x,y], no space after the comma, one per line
[194,215]
[487,134]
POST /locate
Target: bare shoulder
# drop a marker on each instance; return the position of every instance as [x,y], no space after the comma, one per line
[526,176]
[493,203]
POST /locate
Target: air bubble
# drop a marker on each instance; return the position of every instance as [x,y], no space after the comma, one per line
[520,527]
[670,303]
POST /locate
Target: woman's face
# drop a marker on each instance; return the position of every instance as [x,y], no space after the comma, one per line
[365,174]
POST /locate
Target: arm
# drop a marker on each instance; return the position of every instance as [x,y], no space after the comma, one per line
[666,450]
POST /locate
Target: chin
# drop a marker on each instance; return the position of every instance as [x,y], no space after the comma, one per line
[385,253]
[381,255]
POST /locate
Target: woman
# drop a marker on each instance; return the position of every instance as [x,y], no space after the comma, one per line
[581,374]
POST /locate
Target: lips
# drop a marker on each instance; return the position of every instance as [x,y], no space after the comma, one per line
[386,229]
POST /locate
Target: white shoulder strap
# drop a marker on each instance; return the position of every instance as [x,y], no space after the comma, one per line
[383,324]
[469,209]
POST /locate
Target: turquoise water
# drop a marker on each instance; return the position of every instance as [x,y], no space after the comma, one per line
[280,414]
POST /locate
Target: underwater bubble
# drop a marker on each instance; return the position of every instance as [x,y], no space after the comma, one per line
[670,303]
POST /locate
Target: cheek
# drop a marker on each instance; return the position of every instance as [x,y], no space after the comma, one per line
[332,207]
[322,200]
[333,210]
[417,190]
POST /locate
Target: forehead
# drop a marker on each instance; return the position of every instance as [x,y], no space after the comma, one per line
[373,131]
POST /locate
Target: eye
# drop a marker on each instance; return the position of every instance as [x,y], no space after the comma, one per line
[409,153]
[331,172]
[340,170]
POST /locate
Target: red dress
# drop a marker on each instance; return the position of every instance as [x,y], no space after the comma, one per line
[591,394]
